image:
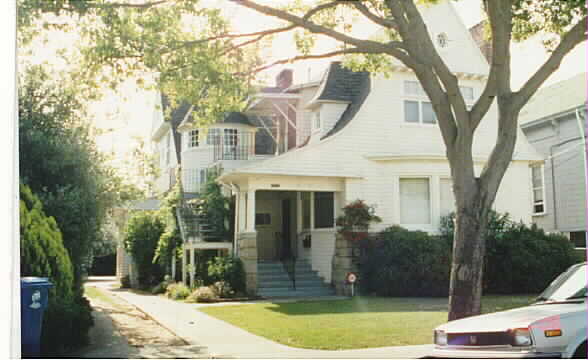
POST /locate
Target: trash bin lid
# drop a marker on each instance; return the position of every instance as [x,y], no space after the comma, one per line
[31,281]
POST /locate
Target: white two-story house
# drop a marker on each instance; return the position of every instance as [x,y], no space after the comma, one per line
[364,136]
[349,136]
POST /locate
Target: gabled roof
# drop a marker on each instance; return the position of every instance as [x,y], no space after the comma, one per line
[555,99]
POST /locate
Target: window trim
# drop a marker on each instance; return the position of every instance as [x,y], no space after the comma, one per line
[544,203]
[431,222]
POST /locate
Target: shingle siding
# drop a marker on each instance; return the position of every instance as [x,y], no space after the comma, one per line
[561,139]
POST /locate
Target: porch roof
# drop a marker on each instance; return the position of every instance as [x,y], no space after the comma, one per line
[247,172]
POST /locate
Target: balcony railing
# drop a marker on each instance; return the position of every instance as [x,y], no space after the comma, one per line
[237,146]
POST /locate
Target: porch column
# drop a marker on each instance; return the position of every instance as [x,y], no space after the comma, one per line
[251,211]
[241,211]
[298,212]
[184,264]
[312,210]
[193,267]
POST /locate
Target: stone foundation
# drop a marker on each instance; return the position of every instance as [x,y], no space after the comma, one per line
[247,243]
[345,260]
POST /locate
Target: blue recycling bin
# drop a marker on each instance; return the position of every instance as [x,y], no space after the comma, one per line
[34,295]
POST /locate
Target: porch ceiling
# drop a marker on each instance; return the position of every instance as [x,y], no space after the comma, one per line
[288,181]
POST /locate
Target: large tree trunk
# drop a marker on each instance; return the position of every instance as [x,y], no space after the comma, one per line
[465,290]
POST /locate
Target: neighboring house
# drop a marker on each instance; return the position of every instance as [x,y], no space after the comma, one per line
[554,122]
[299,153]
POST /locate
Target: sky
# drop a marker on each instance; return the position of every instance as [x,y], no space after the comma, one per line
[126,114]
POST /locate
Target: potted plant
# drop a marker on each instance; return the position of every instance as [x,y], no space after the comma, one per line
[354,222]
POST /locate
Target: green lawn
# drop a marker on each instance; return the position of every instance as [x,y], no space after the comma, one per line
[350,324]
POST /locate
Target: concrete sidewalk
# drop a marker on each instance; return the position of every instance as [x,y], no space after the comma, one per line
[227,341]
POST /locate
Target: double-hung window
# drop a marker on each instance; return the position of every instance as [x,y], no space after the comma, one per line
[415,201]
[417,107]
[538,189]
[230,137]
[192,139]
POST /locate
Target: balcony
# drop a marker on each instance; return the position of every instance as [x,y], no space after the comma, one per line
[234,146]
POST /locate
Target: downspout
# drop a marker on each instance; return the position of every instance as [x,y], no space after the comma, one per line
[583,133]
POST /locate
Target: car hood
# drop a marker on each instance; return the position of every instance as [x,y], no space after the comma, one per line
[542,315]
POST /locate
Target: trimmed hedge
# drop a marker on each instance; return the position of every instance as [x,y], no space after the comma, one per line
[519,260]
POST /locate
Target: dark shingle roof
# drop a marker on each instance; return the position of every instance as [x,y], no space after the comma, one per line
[236,118]
[341,84]
[177,116]
[345,85]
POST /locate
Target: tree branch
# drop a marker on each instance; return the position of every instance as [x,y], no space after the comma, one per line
[304,57]
[500,17]
[368,46]
[569,41]
[373,17]
[126,5]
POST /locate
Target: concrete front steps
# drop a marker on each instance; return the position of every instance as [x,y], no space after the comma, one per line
[273,281]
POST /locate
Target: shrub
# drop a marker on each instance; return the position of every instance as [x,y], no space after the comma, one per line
[162,286]
[125,282]
[65,325]
[141,237]
[520,259]
[228,269]
[177,291]
[405,263]
[223,289]
[202,294]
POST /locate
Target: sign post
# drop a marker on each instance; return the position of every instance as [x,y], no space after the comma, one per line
[351,279]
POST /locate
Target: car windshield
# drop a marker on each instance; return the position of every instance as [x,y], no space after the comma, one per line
[568,286]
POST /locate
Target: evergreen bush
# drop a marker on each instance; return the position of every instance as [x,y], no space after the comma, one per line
[68,317]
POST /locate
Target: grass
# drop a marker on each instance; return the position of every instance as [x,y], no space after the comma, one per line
[95,293]
[362,322]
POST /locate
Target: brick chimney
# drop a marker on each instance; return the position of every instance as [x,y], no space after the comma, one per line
[284,79]
[485,45]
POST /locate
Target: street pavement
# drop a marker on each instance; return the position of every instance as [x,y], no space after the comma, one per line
[224,340]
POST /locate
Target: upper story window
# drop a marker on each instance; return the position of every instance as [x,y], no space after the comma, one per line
[212,136]
[538,189]
[417,107]
[192,140]
[316,121]
[419,112]
[230,137]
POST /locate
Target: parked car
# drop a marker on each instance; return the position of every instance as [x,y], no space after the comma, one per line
[552,327]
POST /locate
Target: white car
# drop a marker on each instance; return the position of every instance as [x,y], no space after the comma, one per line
[553,327]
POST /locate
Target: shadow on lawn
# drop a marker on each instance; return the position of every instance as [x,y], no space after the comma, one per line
[361,304]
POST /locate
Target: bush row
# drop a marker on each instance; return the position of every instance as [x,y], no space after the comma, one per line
[519,259]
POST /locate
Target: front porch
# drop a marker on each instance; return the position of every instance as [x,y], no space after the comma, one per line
[287,221]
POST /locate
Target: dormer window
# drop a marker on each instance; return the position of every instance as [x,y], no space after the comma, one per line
[316,121]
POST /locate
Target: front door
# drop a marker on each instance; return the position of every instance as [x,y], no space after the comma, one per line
[286,241]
